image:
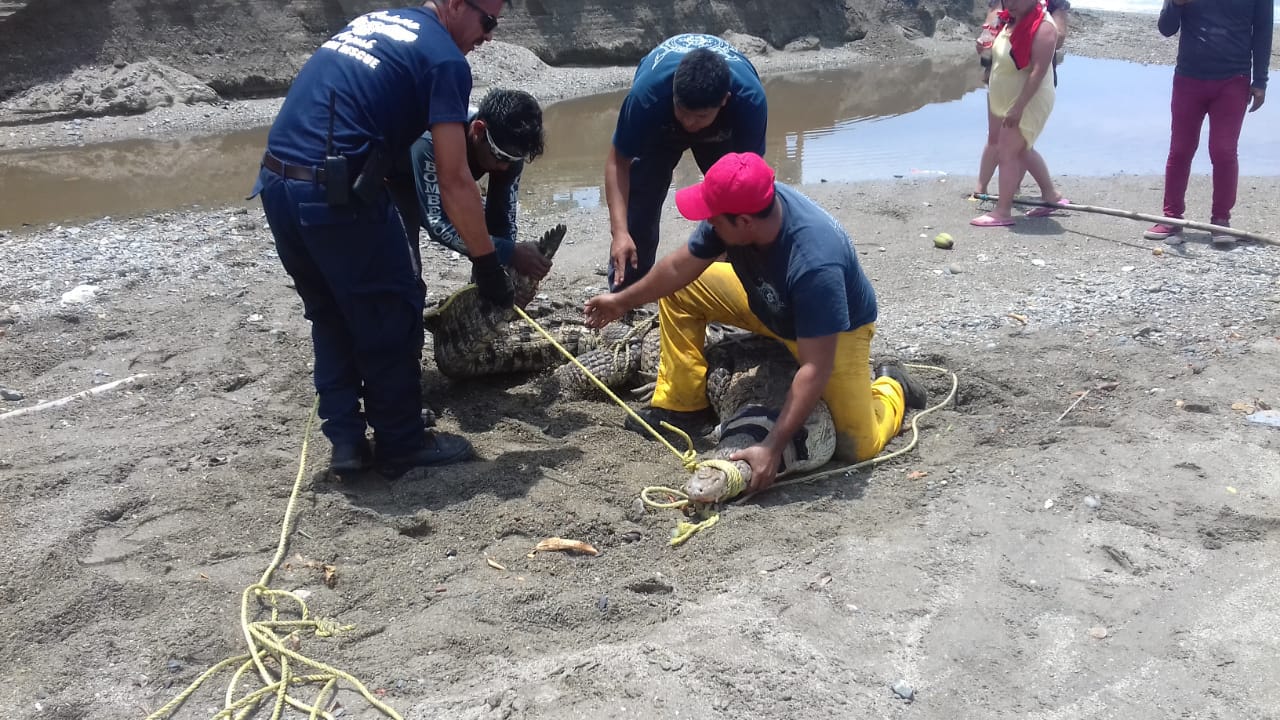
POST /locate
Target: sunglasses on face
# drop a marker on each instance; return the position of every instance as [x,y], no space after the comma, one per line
[487,21]
[498,153]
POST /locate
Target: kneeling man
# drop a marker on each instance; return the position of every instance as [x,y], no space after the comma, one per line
[792,275]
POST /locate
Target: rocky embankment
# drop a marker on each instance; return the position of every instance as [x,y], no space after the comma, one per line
[252,48]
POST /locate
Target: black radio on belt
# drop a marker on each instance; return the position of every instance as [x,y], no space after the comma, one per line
[337,176]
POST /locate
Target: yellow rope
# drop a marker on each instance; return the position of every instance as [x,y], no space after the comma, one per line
[688,458]
[266,645]
[707,513]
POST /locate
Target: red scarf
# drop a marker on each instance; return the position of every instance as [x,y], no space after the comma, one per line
[1022,34]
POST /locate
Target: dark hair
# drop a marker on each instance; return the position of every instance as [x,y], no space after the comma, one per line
[514,119]
[702,80]
[759,214]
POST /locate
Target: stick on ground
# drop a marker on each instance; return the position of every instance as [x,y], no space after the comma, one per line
[1209,227]
[70,398]
[1083,395]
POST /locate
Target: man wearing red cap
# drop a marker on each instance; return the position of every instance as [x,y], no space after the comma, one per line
[792,275]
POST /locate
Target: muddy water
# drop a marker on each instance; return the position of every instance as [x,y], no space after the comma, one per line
[916,118]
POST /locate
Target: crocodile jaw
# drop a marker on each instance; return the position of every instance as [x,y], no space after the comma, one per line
[707,485]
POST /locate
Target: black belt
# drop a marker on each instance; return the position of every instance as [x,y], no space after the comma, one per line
[293,172]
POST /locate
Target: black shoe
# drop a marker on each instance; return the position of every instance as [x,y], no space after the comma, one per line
[695,423]
[917,397]
[350,458]
[441,449]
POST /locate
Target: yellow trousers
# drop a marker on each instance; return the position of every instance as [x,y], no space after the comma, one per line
[867,414]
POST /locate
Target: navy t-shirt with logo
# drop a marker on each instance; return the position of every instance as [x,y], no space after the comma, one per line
[647,119]
[392,74]
[807,283]
[500,203]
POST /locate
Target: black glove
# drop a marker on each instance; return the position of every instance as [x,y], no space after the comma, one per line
[492,281]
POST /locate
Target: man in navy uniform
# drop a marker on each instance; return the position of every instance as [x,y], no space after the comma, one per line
[692,92]
[357,106]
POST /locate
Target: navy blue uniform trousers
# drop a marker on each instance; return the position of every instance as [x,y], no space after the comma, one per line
[361,288]
[650,181]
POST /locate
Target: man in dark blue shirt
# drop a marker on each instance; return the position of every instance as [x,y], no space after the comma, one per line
[503,134]
[792,275]
[691,92]
[355,107]
[1221,42]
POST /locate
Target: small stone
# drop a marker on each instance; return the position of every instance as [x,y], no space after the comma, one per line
[1038,262]
[1097,633]
[603,603]
[636,512]
[1092,502]
[904,690]
[173,666]
[79,294]
[1048,504]
[1197,408]
[9,394]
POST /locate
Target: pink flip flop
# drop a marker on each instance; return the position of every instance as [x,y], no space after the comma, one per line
[1044,211]
[989,220]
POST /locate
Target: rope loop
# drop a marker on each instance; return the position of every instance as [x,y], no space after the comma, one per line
[686,530]
[270,654]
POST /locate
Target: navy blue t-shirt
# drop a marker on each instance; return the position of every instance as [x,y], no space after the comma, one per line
[648,119]
[393,74]
[808,283]
[501,199]
[1222,38]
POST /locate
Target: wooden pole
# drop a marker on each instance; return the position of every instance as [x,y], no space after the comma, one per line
[1179,222]
[71,398]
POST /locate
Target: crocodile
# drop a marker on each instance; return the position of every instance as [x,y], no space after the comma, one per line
[619,355]
[748,377]
[472,338]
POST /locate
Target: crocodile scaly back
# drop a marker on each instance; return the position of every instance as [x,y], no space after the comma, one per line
[472,338]
[625,351]
[748,377]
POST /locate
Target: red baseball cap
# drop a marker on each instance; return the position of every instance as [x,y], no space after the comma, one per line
[738,184]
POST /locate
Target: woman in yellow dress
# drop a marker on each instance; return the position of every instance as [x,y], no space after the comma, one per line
[1021,94]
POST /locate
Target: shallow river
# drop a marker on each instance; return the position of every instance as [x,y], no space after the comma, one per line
[910,119]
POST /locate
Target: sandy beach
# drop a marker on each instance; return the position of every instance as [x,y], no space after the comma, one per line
[1087,531]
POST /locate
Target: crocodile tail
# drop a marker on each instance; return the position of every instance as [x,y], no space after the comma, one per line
[549,243]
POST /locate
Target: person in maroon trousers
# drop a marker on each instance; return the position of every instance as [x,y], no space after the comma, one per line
[1221,42]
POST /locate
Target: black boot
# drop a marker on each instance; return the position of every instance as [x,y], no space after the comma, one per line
[917,397]
[440,449]
[351,458]
[694,423]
